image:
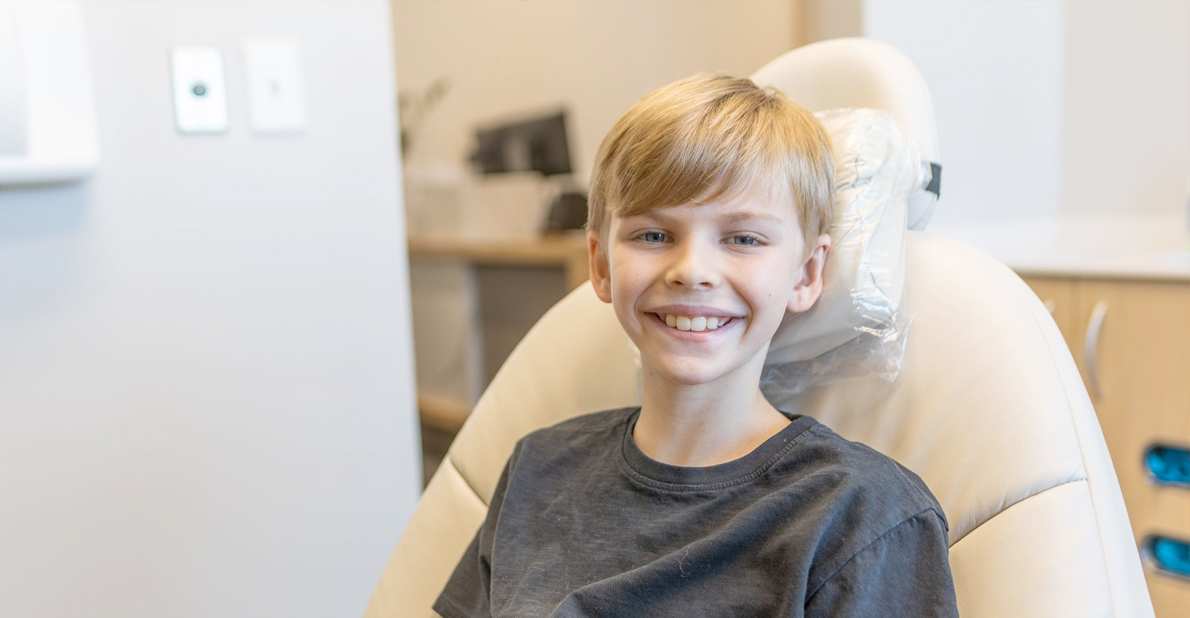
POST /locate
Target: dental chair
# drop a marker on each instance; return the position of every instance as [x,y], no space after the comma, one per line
[988,407]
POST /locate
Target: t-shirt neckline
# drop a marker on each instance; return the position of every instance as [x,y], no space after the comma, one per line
[746,468]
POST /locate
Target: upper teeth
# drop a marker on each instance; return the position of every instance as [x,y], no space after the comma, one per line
[682,322]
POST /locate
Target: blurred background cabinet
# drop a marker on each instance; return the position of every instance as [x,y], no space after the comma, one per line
[1131,340]
[473,301]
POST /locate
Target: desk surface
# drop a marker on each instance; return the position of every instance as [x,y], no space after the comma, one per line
[567,251]
[534,250]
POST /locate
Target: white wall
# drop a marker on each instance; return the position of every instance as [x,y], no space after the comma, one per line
[995,75]
[1052,106]
[1126,91]
[206,400]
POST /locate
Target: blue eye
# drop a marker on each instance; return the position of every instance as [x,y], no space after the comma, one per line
[750,241]
[653,237]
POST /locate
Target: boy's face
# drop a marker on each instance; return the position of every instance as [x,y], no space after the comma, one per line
[738,263]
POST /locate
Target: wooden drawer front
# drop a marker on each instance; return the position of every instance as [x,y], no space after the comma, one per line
[1060,296]
[1138,373]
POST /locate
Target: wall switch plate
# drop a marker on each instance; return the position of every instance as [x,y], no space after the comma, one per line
[14,105]
[200,93]
[276,97]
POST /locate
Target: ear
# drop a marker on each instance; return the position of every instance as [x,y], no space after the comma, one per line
[808,286]
[601,278]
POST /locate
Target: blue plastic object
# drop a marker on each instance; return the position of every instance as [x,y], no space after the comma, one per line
[1169,465]
[1169,555]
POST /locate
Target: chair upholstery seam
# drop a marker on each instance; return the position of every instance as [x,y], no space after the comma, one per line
[1025,499]
[467,481]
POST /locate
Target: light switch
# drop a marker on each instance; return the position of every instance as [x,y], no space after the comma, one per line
[276,100]
[14,105]
[200,93]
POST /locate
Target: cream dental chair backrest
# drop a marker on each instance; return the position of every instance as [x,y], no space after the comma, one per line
[988,409]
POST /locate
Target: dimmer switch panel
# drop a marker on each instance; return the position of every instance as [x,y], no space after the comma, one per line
[200,93]
[276,93]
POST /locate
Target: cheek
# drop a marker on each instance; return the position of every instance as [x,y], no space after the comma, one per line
[627,281]
[625,294]
[771,295]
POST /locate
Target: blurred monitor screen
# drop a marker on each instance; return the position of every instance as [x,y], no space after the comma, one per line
[537,145]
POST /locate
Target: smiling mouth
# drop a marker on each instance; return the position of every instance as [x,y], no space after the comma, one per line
[696,324]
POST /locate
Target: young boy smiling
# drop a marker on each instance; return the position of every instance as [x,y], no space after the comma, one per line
[710,201]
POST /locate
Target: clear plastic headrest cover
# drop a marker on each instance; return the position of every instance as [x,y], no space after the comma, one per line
[857,328]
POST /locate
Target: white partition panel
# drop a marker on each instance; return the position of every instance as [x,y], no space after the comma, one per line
[206,375]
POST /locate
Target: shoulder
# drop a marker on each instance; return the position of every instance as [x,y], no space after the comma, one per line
[859,483]
[862,498]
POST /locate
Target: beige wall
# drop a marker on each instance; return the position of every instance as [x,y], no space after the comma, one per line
[830,19]
[505,58]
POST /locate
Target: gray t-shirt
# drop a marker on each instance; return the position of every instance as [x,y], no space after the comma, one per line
[584,524]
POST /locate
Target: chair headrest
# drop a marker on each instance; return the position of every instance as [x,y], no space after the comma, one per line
[883,152]
[857,72]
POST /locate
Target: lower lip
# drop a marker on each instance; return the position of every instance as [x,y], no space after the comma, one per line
[692,335]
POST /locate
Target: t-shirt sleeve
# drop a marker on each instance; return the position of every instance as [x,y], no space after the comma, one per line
[905,572]
[468,591]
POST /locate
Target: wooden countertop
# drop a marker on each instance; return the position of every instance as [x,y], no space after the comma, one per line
[533,250]
[567,251]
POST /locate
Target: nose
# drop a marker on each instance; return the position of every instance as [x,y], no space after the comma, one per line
[693,266]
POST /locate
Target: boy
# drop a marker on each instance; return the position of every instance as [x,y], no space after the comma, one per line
[709,205]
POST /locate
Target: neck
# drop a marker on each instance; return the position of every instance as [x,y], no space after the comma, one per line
[704,424]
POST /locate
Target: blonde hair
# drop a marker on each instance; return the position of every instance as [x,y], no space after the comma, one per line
[708,138]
